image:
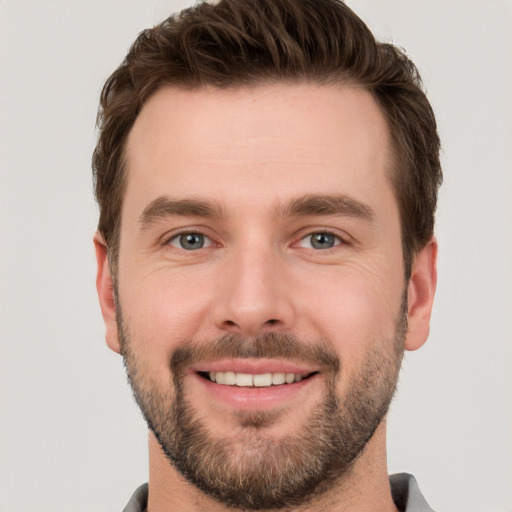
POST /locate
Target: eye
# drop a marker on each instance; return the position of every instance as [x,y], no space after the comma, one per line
[190,241]
[321,240]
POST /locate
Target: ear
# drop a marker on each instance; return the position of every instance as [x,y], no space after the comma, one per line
[106,294]
[420,295]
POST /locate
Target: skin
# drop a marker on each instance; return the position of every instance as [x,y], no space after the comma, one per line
[251,151]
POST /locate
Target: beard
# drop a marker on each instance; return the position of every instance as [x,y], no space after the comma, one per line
[249,468]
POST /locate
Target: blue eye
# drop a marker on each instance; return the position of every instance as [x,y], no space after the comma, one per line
[320,241]
[190,241]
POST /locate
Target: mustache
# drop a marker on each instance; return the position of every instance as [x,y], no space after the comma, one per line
[268,346]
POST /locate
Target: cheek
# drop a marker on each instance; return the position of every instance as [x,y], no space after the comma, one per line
[354,310]
[161,312]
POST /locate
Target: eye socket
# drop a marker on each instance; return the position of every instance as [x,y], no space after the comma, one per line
[320,241]
[190,241]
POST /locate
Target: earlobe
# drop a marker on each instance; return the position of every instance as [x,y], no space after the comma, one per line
[420,295]
[105,290]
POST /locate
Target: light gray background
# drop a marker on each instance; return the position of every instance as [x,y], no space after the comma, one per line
[70,437]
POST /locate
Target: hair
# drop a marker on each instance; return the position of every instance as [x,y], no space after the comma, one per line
[237,43]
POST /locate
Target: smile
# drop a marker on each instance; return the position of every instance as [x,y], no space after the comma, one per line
[256,384]
[260,380]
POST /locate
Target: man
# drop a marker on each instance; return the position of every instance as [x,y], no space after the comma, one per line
[267,177]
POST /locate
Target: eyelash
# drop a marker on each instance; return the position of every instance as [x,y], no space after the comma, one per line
[338,240]
[168,241]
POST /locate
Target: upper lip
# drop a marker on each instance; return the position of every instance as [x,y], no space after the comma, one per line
[254,366]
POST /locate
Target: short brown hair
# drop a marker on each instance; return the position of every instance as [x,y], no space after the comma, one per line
[250,42]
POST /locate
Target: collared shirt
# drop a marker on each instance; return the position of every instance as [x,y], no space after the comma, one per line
[404,489]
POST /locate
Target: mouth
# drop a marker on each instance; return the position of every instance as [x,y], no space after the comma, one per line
[255,380]
[257,384]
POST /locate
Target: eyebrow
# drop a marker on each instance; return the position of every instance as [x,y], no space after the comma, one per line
[163,207]
[309,205]
[317,205]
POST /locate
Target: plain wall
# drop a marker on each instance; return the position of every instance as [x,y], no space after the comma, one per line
[71,438]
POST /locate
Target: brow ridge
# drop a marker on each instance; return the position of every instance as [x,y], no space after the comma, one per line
[163,207]
[308,205]
[320,204]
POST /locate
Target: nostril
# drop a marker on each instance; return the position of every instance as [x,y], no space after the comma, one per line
[250,326]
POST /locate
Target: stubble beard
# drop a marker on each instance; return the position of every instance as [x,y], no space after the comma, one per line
[251,469]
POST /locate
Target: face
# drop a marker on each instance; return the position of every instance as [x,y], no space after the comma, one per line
[261,304]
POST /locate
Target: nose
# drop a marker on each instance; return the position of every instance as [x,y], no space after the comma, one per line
[254,296]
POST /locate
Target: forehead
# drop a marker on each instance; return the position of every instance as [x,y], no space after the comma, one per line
[275,139]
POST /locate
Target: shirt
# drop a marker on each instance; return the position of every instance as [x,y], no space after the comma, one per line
[404,489]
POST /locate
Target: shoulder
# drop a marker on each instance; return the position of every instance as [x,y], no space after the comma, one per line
[407,495]
[139,500]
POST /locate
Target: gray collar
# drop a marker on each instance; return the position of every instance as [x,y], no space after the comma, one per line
[404,489]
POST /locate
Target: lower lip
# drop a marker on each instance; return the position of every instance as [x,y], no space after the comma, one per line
[255,398]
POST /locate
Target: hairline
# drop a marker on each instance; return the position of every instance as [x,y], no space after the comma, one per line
[395,164]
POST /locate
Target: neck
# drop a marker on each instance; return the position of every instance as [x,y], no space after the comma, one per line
[364,488]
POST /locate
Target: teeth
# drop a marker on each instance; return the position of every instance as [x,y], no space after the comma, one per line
[243,379]
[260,380]
[229,378]
[278,378]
